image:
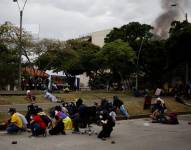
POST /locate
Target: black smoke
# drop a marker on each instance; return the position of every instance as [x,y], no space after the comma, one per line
[172,10]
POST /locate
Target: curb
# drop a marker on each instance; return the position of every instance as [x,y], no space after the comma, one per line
[148,116]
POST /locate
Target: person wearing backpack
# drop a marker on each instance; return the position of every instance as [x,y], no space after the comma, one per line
[47,120]
[37,125]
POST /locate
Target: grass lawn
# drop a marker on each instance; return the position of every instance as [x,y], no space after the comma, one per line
[8,100]
[85,95]
[133,104]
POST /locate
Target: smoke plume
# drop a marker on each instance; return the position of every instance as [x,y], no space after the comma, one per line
[172,10]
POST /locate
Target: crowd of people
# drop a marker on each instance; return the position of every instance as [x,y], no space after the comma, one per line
[77,115]
[68,116]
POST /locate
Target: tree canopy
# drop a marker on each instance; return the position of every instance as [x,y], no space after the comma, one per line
[118,57]
[9,52]
[130,32]
[178,44]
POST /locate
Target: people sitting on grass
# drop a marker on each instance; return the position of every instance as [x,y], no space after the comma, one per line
[30,96]
[119,105]
[15,123]
[49,96]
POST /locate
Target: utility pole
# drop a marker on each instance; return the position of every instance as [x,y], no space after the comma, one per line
[21,10]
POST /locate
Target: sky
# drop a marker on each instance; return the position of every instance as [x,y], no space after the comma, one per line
[67,19]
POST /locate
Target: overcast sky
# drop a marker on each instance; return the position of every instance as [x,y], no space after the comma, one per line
[66,19]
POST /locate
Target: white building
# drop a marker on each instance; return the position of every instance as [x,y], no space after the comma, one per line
[96,38]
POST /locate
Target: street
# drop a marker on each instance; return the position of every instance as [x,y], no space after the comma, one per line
[137,134]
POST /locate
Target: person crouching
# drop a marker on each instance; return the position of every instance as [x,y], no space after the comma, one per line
[15,123]
[37,125]
[107,126]
[58,127]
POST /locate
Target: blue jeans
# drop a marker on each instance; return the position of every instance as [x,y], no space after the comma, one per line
[12,128]
[123,111]
[37,130]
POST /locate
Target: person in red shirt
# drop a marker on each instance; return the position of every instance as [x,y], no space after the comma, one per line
[38,126]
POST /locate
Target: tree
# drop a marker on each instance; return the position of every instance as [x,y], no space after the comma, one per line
[178,43]
[87,53]
[153,61]
[119,58]
[131,33]
[9,52]
[8,66]
[54,55]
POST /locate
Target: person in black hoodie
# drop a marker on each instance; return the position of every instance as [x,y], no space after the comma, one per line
[107,126]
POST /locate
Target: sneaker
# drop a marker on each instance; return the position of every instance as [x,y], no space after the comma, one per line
[76,132]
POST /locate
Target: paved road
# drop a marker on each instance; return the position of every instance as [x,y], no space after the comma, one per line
[137,134]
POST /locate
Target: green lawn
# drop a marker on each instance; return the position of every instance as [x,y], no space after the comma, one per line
[86,96]
[6,100]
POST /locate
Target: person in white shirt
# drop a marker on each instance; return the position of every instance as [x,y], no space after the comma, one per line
[24,120]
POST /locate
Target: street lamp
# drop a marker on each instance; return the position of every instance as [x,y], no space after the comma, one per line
[21,9]
[138,56]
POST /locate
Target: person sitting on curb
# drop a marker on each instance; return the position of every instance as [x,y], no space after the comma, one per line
[15,123]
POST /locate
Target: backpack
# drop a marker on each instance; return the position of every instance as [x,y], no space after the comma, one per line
[45,119]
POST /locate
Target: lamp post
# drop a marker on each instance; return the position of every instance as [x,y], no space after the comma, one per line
[138,56]
[185,13]
[186,19]
[21,9]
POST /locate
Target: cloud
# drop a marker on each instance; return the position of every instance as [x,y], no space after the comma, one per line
[65,19]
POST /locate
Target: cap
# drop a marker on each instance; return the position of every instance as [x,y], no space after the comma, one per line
[11,110]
